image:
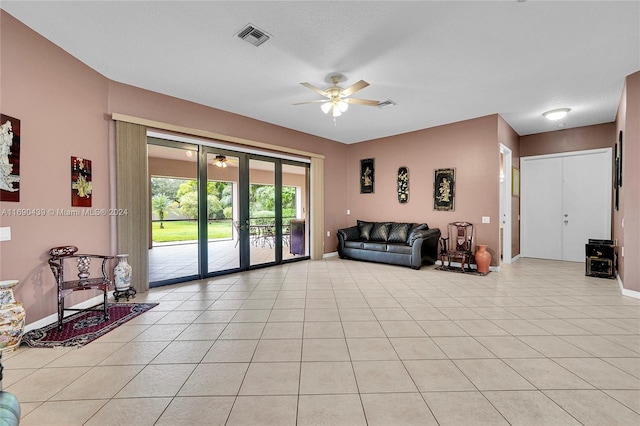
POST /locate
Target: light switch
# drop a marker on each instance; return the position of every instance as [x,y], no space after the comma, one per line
[328,233]
[5,233]
[486,219]
[348,212]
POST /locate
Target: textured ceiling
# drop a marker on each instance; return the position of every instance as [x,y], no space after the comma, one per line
[441,62]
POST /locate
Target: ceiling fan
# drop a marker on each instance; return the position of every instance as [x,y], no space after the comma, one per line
[338,99]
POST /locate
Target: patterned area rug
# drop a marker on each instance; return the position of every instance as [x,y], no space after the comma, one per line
[83,327]
[466,271]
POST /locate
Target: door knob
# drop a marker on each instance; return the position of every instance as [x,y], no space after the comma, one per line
[566,215]
[566,222]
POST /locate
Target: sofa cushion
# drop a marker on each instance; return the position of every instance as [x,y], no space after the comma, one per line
[365,229]
[375,246]
[398,232]
[353,244]
[380,231]
[399,248]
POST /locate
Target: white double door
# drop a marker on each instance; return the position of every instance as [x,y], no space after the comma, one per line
[565,200]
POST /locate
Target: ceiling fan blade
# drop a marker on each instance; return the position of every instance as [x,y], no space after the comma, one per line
[367,102]
[315,89]
[354,88]
[311,102]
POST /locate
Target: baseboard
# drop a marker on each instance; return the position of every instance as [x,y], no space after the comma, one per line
[331,254]
[513,259]
[54,317]
[472,266]
[626,292]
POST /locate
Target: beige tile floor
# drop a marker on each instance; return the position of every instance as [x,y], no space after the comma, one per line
[350,343]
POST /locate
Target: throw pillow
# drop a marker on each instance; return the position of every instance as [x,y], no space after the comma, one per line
[365,229]
[399,232]
[419,227]
[380,231]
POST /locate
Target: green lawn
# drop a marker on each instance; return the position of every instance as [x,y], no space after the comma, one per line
[187,230]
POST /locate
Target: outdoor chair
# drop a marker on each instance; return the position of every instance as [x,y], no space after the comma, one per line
[286,234]
[236,226]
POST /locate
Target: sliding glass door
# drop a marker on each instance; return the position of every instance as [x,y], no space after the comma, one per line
[222,227]
[225,211]
[173,246]
[262,212]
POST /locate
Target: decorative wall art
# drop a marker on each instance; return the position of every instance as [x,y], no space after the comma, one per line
[81,186]
[620,155]
[9,158]
[367,179]
[444,189]
[515,182]
[403,185]
[616,178]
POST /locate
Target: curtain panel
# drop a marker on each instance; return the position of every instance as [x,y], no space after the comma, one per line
[132,195]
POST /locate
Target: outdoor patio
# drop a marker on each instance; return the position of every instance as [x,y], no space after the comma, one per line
[175,260]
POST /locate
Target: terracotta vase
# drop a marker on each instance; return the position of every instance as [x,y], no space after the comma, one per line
[483,259]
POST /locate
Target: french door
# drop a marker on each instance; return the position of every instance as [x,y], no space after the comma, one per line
[566,200]
[238,207]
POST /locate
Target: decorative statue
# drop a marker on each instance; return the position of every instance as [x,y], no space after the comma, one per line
[6,168]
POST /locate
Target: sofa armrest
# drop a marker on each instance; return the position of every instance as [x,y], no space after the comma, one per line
[423,234]
[424,247]
[346,234]
[349,234]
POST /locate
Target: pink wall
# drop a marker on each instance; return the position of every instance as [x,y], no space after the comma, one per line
[576,139]
[471,147]
[138,102]
[509,138]
[61,104]
[628,235]
[618,230]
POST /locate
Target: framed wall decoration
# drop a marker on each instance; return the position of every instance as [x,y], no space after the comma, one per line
[81,186]
[9,158]
[616,178]
[620,155]
[444,189]
[515,182]
[403,185]
[367,176]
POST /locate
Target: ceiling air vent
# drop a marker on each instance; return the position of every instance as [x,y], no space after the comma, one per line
[253,35]
[386,104]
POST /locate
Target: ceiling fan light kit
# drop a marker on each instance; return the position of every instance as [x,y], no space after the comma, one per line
[220,161]
[338,99]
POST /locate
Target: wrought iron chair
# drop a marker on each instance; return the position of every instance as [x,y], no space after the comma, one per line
[457,245]
[286,233]
[60,256]
[267,235]
[236,226]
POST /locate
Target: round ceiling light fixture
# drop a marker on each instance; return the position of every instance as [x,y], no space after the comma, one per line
[556,114]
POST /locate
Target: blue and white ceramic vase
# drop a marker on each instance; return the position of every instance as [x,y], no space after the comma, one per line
[122,273]
[12,317]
